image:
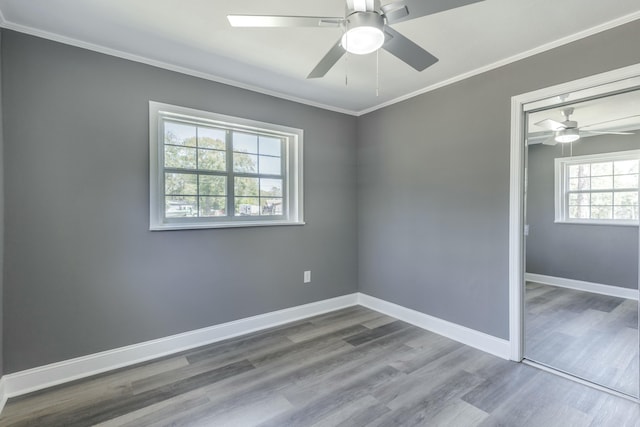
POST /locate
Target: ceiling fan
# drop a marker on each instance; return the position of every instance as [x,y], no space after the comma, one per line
[366,28]
[568,131]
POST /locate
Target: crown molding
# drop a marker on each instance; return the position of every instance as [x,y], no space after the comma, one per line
[164,65]
[4,23]
[531,52]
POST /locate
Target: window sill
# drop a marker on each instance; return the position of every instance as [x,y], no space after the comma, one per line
[598,222]
[238,224]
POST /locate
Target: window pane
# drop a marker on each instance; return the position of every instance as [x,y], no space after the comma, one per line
[180,206]
[179,157]
[270,187]
[579,184]
[270,165]
[179,134]
[246,186]
[213,206]
[212,160]
[624,212]
[583,199]
[576,171]
[601,212]
[213,185]
[271,206]
[579,212]
[626,198]
[625,181]
[180,184]
[270,146]
[210,170]
[245,162]
[600,169]
[247,206]
[621,167]
[601,182]
[245,142]
[602,199]
[211,138]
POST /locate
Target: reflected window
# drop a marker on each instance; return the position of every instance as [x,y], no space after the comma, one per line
[598,189]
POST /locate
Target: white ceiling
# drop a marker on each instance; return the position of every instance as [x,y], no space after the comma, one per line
[194,37]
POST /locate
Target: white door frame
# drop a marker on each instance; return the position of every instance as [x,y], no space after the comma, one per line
[594,86]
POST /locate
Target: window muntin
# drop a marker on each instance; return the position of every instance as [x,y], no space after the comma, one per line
[210,170]
[598,189]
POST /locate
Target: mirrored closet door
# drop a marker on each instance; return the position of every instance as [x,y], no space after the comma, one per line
[581,239]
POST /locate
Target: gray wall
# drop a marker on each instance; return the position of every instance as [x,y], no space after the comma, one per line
[594,253]
[82,271]
[433,182]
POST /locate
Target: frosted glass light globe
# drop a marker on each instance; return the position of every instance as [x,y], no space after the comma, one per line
[565,136]
[362,40]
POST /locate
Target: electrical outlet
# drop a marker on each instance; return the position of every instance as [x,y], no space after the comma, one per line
[307,276]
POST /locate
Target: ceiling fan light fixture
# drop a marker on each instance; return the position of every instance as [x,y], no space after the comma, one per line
[364,33]
[363,40]
[565,136]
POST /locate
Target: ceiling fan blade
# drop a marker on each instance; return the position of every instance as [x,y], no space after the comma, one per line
[551,124]
[406,50]
[593,133]
[283,21]
[550,141]
[329,60]
[609,121]
[418,8]
[394,12]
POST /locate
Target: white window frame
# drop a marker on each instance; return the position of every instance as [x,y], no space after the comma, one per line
[561,184]
[293,170]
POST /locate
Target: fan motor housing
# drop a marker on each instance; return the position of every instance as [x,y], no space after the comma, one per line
[364,19]
[363,33]
[361,5]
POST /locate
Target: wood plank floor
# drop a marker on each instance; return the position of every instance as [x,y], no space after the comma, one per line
[588,335]
[352,367]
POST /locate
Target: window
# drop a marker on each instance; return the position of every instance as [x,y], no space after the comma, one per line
[598,189]
[209,170]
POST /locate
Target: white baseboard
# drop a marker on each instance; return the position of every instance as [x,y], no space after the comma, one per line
[487,343]
[30,380]
[597,288]
[3,395]
[24,382]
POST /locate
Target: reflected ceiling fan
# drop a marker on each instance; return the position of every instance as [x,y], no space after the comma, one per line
[568,131]
[366,28]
